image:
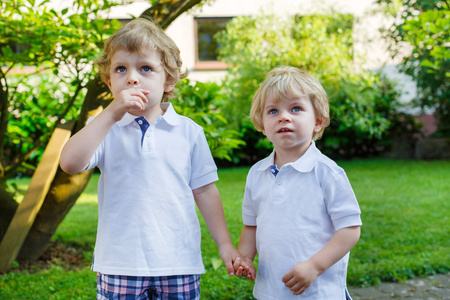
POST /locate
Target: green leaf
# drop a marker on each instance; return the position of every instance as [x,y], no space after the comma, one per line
[216,262]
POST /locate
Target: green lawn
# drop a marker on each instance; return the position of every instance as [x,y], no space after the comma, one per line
[405,207]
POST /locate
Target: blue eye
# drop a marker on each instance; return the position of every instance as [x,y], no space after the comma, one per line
[146,69]
[121,69]
[273,111]
[296,109]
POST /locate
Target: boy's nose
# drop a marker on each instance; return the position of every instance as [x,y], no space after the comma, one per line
[284,117]
[132,81]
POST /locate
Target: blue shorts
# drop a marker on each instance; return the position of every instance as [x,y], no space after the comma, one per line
[118,287]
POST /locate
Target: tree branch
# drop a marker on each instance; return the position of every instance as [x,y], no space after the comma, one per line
[9,170]
[165,12]
[69,105]
[4,115]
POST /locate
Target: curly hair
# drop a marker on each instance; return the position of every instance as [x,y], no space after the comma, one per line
[137,35]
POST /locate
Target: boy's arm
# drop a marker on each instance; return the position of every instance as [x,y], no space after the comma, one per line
[210,205]
[80,148]
[299,278]
[247,241]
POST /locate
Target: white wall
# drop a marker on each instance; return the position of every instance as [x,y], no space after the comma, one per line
[367,39]
[370,51]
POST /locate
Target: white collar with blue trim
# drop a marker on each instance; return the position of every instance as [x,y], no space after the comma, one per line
[304,164]
[170,116]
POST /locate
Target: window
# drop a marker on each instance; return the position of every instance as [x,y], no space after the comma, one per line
[18,47]
[206,45]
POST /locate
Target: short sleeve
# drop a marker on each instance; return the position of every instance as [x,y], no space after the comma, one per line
[204,170]
[248,211]
[95,159]
[341,202]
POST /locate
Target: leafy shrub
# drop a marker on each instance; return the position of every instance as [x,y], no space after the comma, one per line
[201,102]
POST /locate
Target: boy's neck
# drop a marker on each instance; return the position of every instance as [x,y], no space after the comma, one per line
[283,157]
[151,114]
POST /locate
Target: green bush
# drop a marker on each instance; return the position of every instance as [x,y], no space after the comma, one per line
[201,102]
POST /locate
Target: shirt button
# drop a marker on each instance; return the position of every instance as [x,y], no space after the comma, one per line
[140,122]
[279,182]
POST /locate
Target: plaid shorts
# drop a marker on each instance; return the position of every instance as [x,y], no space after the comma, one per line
[118,287]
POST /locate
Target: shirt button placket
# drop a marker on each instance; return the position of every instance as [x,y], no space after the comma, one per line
[148,146]
[278,188]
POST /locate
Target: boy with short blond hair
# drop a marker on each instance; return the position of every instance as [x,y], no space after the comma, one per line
[300,213]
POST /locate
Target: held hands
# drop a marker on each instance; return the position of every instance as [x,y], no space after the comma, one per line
[126,100]
[235,266]
[244,267]
[300,277]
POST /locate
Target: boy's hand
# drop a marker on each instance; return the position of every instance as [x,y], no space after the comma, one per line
[126,100]
[244,268]
[234,264]
[300,277]
[228,253]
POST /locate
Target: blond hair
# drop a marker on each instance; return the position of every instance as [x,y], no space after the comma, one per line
[135,36]
[284,83]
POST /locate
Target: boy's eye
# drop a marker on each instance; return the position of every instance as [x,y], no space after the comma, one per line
[296,109]
[273,111]
[121,69]
[146,69]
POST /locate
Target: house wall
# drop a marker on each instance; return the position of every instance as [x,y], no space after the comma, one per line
[370,51]
[367,39]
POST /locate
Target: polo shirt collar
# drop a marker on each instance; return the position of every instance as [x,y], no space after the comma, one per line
[304,164]
[308,160]
[170,116]
[267,162]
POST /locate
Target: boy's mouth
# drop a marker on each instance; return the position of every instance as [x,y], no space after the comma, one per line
[284,130]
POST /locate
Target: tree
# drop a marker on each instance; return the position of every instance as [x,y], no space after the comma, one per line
[424,27]
[65,188]
[32,103]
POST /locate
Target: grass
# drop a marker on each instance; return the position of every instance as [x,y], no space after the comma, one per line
[405,209]
[404,205]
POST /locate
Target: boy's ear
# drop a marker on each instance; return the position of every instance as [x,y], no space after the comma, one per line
[108,82]
[319,124]
[169,87]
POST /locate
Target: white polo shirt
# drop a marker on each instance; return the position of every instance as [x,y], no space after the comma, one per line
[147,221]
[296,214]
